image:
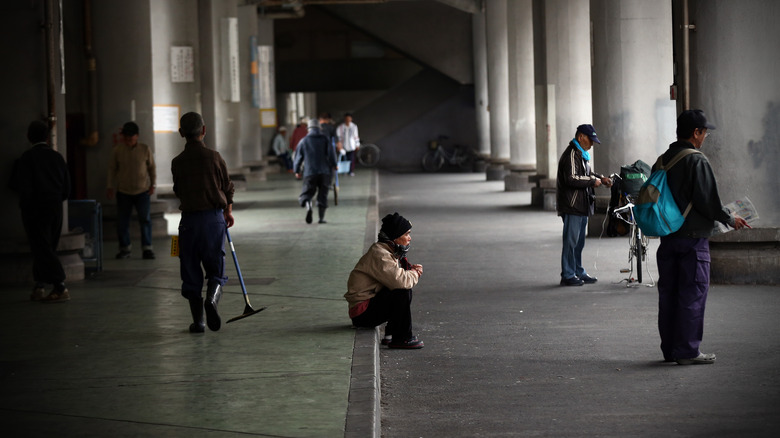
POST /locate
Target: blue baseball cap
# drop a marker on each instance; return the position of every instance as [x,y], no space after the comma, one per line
[590,131]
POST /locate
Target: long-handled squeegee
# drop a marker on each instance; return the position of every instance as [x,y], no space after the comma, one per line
[248,310]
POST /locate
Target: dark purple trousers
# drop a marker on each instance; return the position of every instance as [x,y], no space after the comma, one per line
[683,283]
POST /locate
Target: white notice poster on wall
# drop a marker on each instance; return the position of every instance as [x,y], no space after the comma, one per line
[166,118]
[182,65]
[265,73]
[230,71]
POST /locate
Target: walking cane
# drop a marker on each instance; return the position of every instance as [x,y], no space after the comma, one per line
[248,310]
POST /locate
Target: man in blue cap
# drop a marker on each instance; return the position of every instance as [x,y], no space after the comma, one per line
[576,201]
[684,256]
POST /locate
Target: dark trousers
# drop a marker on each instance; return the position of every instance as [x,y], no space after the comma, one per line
[124,209]
[352,157]
[201,243]
[393,307]
[43,225]
[316,183]
[683,283]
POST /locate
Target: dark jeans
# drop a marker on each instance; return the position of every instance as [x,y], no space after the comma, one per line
[316,183]
[352,157]
[683,283]
[393,307]
[286,160]
[201,242]
[124,208]
[43,225]
[574,228]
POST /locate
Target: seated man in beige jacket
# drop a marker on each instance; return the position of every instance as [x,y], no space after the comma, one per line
[379,288]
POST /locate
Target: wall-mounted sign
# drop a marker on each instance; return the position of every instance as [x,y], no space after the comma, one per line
[268,118]
[182,64]
[230,72]
[265,73]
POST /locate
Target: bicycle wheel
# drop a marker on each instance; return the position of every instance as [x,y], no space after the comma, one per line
[368,155]
[432,161]
[466,163]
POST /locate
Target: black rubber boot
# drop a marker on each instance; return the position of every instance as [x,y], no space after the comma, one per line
[213,294]
[322,215]
[196,308]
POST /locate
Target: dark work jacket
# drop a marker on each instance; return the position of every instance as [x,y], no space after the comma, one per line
[574,194]
[40,176]
[692,179]
[315,155]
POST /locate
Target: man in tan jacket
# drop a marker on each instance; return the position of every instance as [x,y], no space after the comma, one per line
[132,177]
[379,288]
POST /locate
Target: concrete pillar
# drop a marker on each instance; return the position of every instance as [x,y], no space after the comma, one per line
[734,80]
[567,35]
[249,135]
[498,86]
[221,114]
[481,84]
[522,117]
[632,72]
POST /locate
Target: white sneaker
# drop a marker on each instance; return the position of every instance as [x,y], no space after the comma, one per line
[701,359]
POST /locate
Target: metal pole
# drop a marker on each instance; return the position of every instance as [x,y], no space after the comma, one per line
[686,28]
[51,65]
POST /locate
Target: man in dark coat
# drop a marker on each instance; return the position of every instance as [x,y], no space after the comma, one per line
[315,159]
[41,178]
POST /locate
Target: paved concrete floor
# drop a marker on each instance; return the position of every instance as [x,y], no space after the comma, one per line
[117,359]
[508,352]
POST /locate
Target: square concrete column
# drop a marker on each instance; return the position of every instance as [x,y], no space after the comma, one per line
[522,111]
[498,86]
[632,72]
[481,84]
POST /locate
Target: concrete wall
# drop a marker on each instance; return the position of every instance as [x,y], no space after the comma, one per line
[734,79]
[404,148]
[445,31]
[173,23]
[123,49]
[23,99]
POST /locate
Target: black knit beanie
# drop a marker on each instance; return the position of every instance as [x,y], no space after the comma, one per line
[394,226]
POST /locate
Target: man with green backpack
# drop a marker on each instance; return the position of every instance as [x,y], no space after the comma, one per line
[684,254]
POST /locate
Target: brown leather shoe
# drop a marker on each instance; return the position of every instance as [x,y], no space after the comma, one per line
[57,297]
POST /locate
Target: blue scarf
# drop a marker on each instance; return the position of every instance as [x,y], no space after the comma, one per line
[585,154]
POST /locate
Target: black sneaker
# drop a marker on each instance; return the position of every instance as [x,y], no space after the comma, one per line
[587,279]
[573,281]
[308,212]
[410,344]
[123,254]
[149,254]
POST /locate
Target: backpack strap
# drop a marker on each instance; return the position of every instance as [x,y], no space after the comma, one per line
[680,155]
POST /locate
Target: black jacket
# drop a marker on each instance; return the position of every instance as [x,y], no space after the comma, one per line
[692,179]
[314,155]
[40,175]
[574,194]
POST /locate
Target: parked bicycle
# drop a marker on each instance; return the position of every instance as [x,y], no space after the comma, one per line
[368,155]
[437,155]
[638,242]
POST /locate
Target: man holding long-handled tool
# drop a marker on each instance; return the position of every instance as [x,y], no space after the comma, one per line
[203,186]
